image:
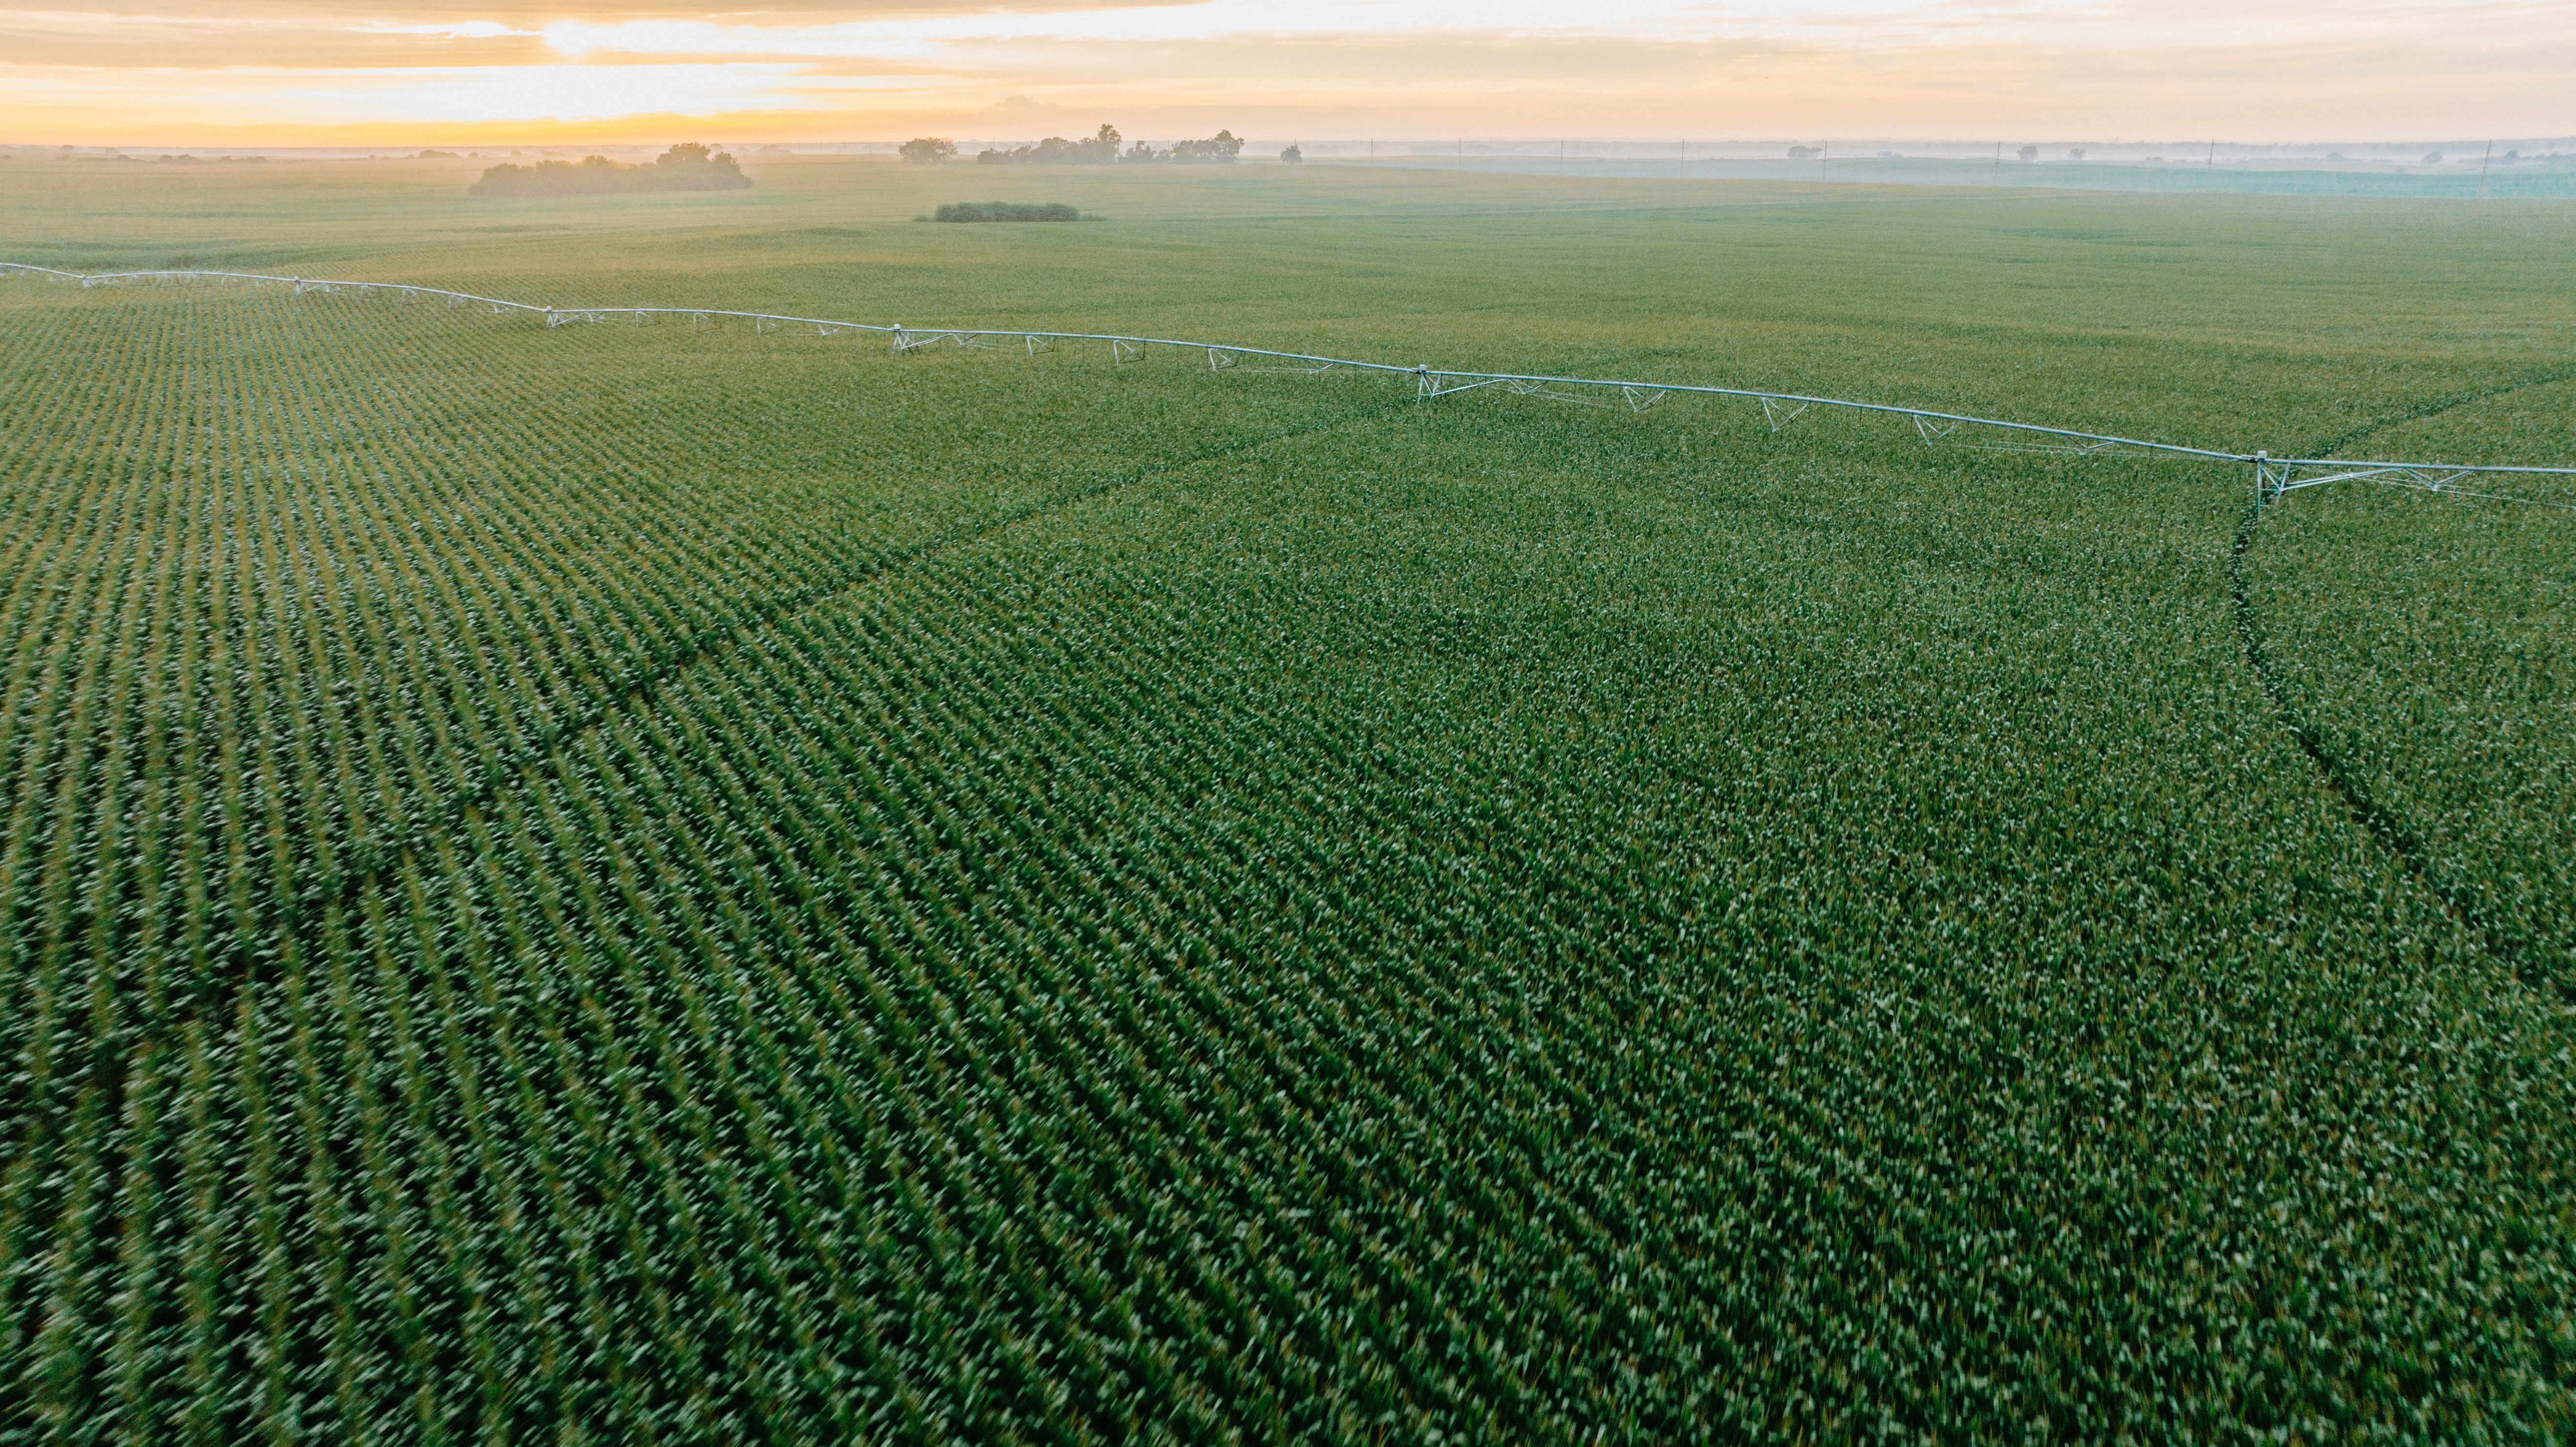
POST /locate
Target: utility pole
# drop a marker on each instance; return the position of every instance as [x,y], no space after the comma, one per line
[2482,170]
[2213,155]
[1824,153]
[1685,171]
[1999,163]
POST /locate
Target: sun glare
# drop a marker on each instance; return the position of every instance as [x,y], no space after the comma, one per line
[1320,68]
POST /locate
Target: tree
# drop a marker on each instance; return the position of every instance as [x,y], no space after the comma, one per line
[2075,153]
[1100,149]
[2028,153]
[2432,158]
[1803,153]
[1292,157]
[1217,150]
[685,167]
[927,150]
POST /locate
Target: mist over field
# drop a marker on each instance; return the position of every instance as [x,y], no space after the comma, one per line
[2526,169]
[602,845]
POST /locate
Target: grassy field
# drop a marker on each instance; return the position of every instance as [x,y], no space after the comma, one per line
[647,883]
[2554,181]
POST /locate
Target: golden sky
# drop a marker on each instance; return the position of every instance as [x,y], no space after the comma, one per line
[323,72]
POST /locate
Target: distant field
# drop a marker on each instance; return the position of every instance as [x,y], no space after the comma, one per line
[2549,181]
[648,883]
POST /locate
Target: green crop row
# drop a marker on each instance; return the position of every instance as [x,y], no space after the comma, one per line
[648,885]
[2420,642]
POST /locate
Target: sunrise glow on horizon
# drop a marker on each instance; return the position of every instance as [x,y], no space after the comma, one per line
[294,72]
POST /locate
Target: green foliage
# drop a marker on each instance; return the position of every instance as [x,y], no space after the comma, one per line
[1101,149]
[1217,150]
[1006,211]
[2423,643]
[927,151]
[685,167]
[634,883]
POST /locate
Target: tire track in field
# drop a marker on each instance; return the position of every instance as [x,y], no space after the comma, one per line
[2392,829]
[2437,408]
[369,861]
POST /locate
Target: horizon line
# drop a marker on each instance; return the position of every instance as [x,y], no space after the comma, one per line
[1452,139]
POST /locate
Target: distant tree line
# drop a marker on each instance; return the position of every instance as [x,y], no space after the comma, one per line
[2027,153]
[1101,148]
[685,167]
[1217,150]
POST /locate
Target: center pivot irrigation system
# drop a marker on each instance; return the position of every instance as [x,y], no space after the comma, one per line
[2273,476]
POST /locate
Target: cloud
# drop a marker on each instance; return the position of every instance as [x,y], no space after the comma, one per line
[533,14]
[2356,69]
[466,29]
[163,44]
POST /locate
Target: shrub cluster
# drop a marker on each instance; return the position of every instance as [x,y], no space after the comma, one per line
[685,167]
[1005,211]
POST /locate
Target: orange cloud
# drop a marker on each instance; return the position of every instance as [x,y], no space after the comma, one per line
[446,72]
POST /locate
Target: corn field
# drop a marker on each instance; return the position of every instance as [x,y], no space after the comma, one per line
[687,892]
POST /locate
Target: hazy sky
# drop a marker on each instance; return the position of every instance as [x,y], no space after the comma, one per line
[284,72]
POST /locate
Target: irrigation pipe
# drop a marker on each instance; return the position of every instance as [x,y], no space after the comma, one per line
[2273,476]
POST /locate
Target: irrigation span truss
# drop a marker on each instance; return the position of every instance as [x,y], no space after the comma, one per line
[2273,476]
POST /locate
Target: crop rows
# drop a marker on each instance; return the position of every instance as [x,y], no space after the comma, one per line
[1257,922]
[274,613]
[2420,641]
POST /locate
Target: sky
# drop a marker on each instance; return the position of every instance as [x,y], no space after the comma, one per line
[463,72]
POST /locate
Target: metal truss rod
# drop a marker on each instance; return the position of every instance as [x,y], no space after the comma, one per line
[2277,477]
[2273,476]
